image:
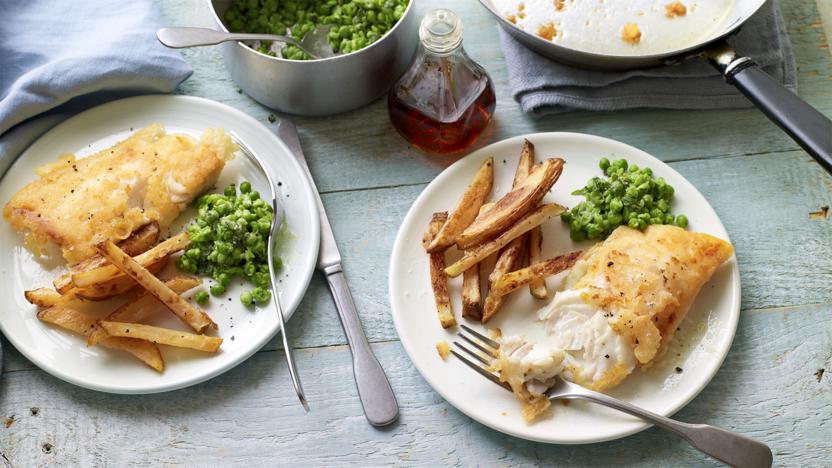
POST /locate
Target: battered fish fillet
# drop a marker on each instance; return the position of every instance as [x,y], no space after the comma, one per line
[648,281]
[621,305]
[151,176]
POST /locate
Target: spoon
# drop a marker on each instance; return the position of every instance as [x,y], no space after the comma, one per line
[314,43]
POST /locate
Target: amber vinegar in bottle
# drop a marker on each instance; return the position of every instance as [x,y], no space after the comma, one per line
[445,101]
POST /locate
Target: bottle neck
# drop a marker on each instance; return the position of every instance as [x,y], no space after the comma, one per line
[440,32]
[457,51]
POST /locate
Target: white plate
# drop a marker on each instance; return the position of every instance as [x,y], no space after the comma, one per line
[244,330]
[698,349]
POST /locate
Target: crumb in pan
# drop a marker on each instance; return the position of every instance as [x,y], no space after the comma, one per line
[547,31]
[675,9]
[631,33]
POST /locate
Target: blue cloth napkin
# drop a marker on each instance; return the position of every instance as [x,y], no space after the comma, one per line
[543,86]
[59,57]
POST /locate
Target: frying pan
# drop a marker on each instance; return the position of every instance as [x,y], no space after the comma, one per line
[807,126]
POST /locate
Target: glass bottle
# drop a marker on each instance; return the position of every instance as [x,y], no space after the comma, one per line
[445,101]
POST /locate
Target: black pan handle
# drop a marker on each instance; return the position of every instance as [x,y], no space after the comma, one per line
[806,125]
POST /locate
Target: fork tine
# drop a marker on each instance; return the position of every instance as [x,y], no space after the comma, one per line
[480,336]
[473,354]
[485,373]
[254,159]
[477,345]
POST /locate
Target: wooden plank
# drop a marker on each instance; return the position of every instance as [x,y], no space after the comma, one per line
[764,201]
[825,12]
[767,388]
[360,149]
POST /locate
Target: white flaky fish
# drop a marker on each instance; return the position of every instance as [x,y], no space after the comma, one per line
[621,305]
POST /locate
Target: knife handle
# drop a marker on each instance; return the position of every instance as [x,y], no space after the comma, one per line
[374,390]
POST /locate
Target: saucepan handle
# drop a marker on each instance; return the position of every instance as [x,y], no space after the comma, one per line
[806,125]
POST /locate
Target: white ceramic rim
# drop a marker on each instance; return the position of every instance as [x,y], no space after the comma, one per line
[306,268]
[689,394]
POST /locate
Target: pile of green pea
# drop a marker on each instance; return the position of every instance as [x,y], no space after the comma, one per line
[228,239]
[355,23]
[628,196]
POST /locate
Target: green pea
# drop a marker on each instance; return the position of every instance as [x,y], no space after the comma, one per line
[201,297]
[228,238]
[577,234]
[627,195]
[247,298]
[356,23]
[682,221]
[261,295]
[217,289]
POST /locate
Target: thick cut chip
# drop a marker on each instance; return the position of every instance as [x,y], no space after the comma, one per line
[513,205]
[195,317]
[438,278]
[537,286]
[165,336]
[509,257]
[519,278]
[43,297]
[479,253]
[466,210]
[138,242]
[140,308]
[46,297]
[506,262]
[116,285]
[104,273]
[471,294]
[81,323]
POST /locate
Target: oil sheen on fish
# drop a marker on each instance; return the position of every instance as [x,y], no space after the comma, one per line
[150,176]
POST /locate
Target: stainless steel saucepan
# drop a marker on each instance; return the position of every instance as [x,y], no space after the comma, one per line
[808,127]
[324,86]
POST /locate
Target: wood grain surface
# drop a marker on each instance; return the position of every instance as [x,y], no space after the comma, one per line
[770,386]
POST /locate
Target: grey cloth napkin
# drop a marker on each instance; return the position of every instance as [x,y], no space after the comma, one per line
[57,58]
[543,86]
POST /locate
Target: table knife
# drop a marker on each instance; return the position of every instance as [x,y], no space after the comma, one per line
[374,389]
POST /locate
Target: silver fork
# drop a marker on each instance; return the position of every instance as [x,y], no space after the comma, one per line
[726,446]
[290,360]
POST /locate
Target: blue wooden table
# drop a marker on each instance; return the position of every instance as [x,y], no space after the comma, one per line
[772,385]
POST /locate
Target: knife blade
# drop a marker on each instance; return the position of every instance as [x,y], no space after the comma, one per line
[374,391]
